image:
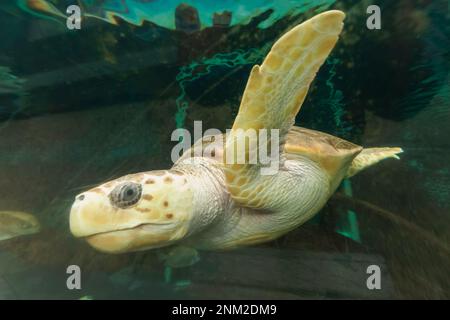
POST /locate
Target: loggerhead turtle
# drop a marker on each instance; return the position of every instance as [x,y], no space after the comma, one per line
[205,203]
[16,223]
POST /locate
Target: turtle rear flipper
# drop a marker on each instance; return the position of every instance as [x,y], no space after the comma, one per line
[370,156]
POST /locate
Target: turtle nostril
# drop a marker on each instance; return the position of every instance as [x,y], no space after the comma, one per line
[81,197]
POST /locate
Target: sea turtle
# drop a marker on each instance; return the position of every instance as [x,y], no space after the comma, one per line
[16,223]
[205,202]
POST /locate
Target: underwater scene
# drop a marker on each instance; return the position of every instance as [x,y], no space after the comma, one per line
[101,197]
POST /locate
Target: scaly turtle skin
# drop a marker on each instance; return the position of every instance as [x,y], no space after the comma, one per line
[207,203]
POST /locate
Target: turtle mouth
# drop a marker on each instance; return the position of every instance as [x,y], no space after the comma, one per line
[140,237]
[139,227]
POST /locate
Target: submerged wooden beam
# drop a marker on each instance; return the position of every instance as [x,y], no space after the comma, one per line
[298,273]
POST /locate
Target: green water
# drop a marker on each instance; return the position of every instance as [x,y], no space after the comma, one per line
[81,107]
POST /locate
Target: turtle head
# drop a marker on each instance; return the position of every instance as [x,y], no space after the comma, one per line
[135,212]
[16,223]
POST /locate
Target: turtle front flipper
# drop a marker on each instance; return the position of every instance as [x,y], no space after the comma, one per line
[177,257]
[273,96]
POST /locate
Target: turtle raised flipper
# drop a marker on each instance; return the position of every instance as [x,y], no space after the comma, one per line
[272,98]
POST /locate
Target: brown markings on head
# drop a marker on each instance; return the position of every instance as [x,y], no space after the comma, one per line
[147,197]
[140,177]
[150,181]
[97,190]
[166,203]
[213,153]
[143,209]
[109,184]
[168,179]
[169,215]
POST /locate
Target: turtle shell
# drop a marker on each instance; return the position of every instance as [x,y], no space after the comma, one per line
[333,154]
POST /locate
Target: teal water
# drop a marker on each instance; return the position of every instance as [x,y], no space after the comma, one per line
[80,107]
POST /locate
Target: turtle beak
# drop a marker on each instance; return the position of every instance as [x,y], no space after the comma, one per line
[147,236]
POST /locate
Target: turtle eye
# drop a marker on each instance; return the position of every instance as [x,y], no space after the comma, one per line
[125,194]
